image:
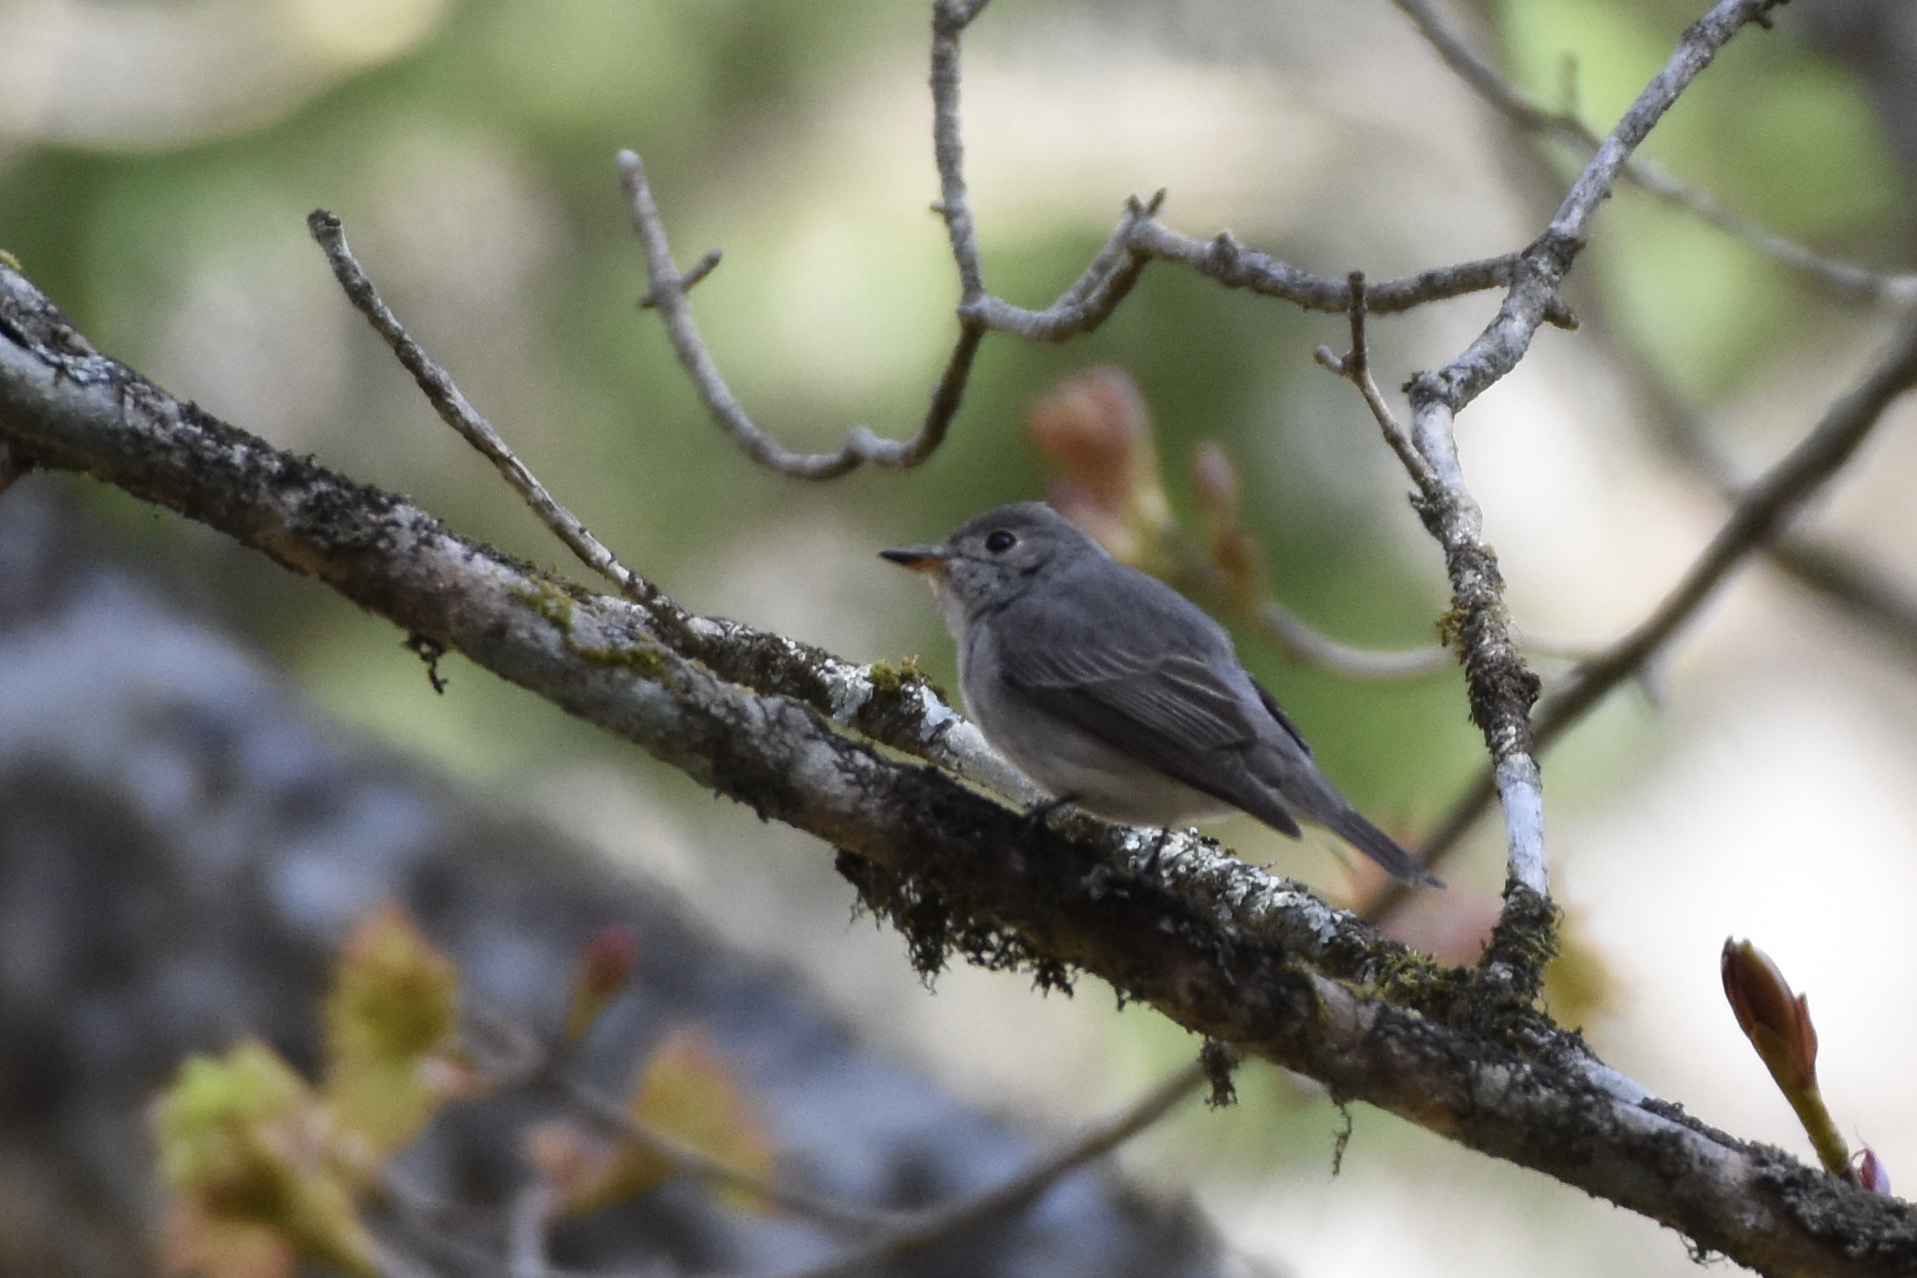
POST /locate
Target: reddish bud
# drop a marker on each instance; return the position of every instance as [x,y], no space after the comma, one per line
[1233,550]
[604,969]
[1778,1024]
[1082,506]
[1096,430]
[1775,1020]
[610,957]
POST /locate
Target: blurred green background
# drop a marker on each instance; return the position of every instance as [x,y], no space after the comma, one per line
[157,162]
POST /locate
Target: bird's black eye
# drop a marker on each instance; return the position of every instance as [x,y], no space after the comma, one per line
[1000,542]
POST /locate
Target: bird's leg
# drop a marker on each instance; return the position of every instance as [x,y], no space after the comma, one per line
[1035,816]
[1149,871]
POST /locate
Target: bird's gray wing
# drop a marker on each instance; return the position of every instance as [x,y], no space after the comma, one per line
[1155,679]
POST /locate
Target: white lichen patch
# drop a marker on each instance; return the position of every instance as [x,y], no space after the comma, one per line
[848,688]
[934,715]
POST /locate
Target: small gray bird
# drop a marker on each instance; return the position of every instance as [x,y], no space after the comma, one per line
[1112,691]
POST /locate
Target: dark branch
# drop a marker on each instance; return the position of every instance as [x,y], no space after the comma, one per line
[1769,504]
[1839,575]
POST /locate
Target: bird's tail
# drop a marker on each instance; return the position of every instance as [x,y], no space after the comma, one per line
[1382,848]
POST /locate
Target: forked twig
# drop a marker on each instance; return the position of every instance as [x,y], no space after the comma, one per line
[1500,685]
[1355,367]
[896,1232]
[1765,510]
[667,295]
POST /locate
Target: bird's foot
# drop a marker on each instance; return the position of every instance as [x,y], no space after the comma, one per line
[1036,815]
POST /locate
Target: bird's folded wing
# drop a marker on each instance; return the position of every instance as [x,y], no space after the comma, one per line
[1174,700]
[1170,711]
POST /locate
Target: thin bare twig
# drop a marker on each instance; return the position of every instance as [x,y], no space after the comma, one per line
[1140,239]
[899,1232]
[1842,278]
[511,1055]
[949,20]
[1092,297]
[1837,574]
[1224,259]
[1135,242]
[1769,504]
[1696,49]
[1355,367]
[922,1229]
[524,1065]
[1304,643]
[693,1162]
[456,411]
[1437,397]
[1291,633]
[667,294]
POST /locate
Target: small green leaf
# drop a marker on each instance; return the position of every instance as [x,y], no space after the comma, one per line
[389,1018]
[247,1156]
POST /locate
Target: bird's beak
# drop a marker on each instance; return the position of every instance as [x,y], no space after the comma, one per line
[929,560]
